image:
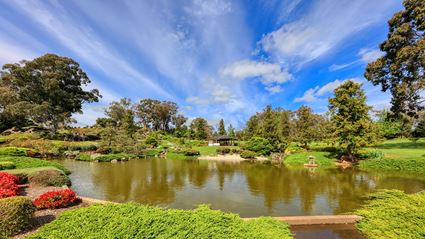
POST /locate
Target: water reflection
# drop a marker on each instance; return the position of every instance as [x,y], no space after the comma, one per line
[245,188]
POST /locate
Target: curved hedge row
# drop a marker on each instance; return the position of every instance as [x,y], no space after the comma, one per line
[137,221]
[27,162]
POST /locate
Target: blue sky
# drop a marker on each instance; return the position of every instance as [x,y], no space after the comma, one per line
[216,58]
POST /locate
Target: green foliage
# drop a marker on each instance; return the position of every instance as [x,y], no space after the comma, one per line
[7,165]
[46,90]
[401,69]
[370,154]
[413,165]
[247,154]
[350,117]
[323,159]
[221,128]
[137,221]
[199,129]
[104,157]
[191,152]
[306,126]
[13,151]
[43,176]
[15,215]
[259,145]
[392,214]
[158,115]
[27,162]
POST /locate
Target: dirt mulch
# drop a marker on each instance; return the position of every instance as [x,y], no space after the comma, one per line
[42,217]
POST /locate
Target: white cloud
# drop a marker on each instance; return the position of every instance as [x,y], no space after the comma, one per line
[317,92]
[369,55]
[324,27]
[270,74]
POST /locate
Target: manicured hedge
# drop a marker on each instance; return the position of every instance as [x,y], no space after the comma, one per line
[15,215]
[137,221]
[393,214]
[27,162]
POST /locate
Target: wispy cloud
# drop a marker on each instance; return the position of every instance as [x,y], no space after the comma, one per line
[328,23]
[317,92]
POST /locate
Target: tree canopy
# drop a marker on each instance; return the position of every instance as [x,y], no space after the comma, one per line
[46,90]
[402,68]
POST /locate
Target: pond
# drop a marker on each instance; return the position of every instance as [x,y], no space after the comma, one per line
[249,189]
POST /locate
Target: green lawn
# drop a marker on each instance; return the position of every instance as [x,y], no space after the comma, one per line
[138,221]
[399,154]
[323,159]
[27,162]
[392,214]
[210,150]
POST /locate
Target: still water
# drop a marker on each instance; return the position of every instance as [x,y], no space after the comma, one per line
[249,189]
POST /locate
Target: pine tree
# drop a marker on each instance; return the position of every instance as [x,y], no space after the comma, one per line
[221,128]
[350,116]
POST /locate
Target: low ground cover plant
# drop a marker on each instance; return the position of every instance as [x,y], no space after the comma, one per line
[393,214]
[15,215]
[7,165]
[27,162]
[14,151]
[8,185]
[138,221]
[56,199]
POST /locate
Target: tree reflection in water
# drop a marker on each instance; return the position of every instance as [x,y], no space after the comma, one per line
[250,189]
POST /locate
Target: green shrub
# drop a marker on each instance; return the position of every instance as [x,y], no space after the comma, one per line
[84,157]
[104,157]
[15,215]
[371,154]
[27,162]
[235,151]
[138,221]
[191,152]
[393,214]
[223,150]
[246,154]
[259,145]
[7,165]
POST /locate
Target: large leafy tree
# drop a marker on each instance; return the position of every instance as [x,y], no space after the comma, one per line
[402,68]
[350,116]
[221,128]
[48,89]
[199,129]
[120,111]
[155,114]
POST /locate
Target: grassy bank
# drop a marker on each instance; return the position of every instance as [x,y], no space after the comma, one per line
[323,159]
[27,162]
[399,154]
[211,150]
[392,214]
[138,221]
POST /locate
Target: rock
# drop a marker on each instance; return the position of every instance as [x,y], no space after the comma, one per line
[114,161]
[124,159]
[10,131]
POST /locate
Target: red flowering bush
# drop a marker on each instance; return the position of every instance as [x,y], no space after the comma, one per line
[56,199]
[8,185]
